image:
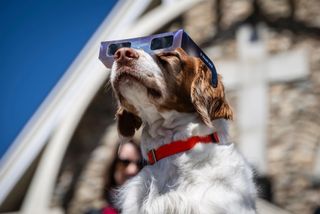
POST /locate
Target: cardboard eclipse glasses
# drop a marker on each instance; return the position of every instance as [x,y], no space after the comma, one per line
[153,44]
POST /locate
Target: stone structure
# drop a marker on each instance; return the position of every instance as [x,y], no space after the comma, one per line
[294,120]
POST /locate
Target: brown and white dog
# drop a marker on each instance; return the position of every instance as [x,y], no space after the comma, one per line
[171,96]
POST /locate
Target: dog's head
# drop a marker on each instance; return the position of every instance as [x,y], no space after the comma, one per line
[166,81]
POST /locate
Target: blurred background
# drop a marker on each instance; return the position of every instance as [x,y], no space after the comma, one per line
[57,110]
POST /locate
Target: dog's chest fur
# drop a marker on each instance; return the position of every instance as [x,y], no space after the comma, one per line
[210,178]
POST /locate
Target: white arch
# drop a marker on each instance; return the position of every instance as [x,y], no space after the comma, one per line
[83,77]
[59,115]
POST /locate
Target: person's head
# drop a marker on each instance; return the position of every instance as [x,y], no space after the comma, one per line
[128,162]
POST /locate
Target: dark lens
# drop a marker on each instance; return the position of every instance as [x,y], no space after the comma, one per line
[112,49]
[125,162]
[162,42]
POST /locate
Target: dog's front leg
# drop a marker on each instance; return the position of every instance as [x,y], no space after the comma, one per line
[131,195]
[172,202]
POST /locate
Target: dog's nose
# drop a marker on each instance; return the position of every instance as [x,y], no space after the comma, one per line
[125,54]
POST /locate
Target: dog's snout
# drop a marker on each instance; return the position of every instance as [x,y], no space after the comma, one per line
[125,54]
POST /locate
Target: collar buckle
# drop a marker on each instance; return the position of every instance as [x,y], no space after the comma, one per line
[154,158]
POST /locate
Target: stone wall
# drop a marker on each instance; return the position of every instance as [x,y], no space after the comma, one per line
[294,123]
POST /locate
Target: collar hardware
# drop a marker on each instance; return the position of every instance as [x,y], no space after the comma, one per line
[154,158]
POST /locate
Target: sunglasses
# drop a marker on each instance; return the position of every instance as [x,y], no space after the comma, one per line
[126,162]
[157,43]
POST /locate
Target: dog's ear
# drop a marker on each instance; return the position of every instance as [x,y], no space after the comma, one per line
[209,101]
[128,122]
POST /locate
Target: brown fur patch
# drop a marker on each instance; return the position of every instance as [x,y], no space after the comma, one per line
[128,122]
[189,82]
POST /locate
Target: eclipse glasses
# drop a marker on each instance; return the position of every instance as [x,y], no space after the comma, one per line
[153,44]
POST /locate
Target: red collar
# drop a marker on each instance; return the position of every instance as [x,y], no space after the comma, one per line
[180,146]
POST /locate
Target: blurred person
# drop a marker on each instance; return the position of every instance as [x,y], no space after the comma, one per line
[126,164]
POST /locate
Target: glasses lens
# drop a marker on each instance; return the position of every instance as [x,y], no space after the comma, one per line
[124,162]
[112,49]
[162,42]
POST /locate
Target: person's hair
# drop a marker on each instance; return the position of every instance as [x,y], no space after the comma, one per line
[110,184]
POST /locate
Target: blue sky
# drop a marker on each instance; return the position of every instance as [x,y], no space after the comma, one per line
[39,39]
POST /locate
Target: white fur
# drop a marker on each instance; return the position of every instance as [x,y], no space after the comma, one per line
[210,178]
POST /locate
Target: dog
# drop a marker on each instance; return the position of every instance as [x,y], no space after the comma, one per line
[170,95]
